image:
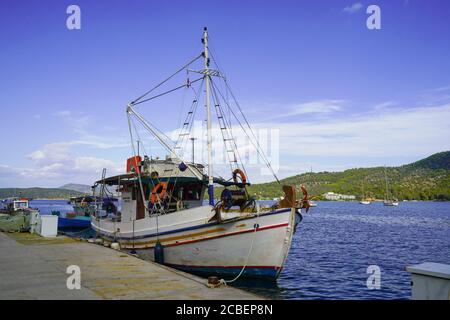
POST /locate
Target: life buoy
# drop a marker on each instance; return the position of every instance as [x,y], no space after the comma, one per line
[241,175]
[158,192]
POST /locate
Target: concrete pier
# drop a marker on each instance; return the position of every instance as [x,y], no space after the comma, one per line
[33,267]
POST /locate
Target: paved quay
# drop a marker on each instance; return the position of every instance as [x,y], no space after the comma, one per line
[33,267]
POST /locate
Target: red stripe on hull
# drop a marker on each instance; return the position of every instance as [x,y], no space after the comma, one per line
[228,234]
[225,267]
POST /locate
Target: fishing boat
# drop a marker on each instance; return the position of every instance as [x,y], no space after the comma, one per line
[11,205]
[164,217]
[15,215]
[388,200]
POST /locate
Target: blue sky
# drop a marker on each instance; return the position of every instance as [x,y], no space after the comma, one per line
[339,94]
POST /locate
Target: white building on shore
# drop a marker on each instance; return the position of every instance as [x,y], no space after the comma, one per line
[337,196]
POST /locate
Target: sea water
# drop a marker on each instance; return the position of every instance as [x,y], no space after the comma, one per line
[337,241]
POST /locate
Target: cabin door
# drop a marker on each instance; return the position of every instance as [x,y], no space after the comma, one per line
[140,207]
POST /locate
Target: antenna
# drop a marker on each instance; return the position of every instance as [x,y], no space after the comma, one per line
[193,149]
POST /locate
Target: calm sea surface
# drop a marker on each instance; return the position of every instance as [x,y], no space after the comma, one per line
[337,241]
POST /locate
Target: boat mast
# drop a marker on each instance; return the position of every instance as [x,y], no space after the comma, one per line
[208,117]
[387,191]
[362,189]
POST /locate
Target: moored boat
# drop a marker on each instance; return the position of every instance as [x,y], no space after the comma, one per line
[388,200]
[390,203]
[163,217]
[84,208]
[77,222]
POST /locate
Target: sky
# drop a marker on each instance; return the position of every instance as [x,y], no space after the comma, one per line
[330,93]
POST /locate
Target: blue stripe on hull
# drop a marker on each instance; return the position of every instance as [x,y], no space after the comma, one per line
[230,273]
[122,237]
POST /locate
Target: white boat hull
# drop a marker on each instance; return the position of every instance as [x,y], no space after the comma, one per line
[217,248]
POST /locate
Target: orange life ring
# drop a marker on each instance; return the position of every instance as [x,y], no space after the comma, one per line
[241,175]
[158,192]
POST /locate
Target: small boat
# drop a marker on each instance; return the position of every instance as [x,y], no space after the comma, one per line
[364,199]
[76,222]
[88,205]
[84,208]
[388,201]
[312,204]
[12,205]
[15,215]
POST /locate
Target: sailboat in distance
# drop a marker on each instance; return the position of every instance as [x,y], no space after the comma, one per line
[164,217]
[364,200]
[388,200]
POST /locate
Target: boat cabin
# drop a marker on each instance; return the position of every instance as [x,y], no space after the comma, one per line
[167,187]
[20,204]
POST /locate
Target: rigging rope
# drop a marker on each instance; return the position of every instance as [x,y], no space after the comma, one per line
[167,79]
[228,125]
[261,153]
[151,180]
[257,146]
[166,92]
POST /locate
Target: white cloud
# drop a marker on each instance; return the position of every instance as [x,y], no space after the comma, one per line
[321,106]
[81,125]
[51,153]
[95,165]
[440,89]
[384,105]
[55,161]
[317,107]
[405,132]
[353,8]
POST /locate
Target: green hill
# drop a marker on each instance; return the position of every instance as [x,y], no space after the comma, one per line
[43,193]
[77,187]
[427,179]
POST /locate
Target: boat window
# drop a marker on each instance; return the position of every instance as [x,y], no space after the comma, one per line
[154,175]
[192,192]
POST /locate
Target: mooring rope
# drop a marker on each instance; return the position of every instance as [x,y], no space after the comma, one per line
[256,225]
